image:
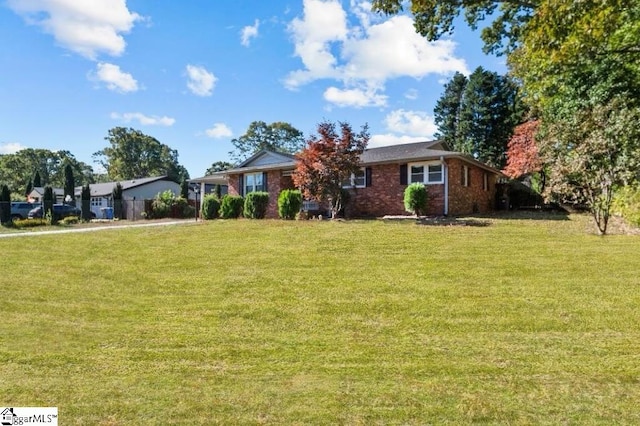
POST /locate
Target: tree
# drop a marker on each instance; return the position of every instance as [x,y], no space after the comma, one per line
[591,155]
[184,189]
[69,184]
[447,109]
[5,205]
[45,167]
[218,166]
[434,19]
[478,117]
[29,188]
[522,151]
[132,155]
[327,161]
[116,195]
[48,199]
[85,197]
[278,137]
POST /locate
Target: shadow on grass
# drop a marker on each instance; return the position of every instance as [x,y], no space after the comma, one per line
[452,221]
[532,214]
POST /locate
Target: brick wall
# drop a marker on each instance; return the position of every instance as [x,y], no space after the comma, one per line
[385,195]
[472,198]
[275,183]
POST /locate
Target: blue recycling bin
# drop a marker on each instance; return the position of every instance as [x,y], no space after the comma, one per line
[107,212]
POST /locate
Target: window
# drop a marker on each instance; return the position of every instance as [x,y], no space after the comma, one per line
[485,181]
[357,180]
[464,179]
[426,173]
[96,202]
[253,182]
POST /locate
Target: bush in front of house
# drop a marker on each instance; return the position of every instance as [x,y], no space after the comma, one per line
[231,206]
[70,220]
[415,198]
[166,204]
[210,207]
[30,223]
[255,205]
[289,203]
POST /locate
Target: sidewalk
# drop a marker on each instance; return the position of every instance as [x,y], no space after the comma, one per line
[96,228]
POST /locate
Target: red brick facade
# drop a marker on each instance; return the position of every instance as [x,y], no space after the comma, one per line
[384,193]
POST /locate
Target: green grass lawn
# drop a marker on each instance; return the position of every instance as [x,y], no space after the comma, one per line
[371,322]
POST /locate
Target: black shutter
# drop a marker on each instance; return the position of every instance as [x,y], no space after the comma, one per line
[265,187]
[241,185]
[367,176]
[403,174]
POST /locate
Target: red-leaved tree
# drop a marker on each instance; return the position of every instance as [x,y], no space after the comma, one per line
[327,161]
[522,151]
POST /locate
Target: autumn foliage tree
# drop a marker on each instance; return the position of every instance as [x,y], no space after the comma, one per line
[328,160]
[523,157]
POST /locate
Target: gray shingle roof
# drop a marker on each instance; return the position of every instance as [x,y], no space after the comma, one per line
[404,152]
[101,189]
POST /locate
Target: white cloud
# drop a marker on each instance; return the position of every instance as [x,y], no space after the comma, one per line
[415,123]
[114,78]
[144,120]
[249,32]
[85,27]
[411,94]
[363,57]
[219,130]
[11,148]
[201,82]
[356,97]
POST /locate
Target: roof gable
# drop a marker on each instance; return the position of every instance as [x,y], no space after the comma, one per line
[266,158]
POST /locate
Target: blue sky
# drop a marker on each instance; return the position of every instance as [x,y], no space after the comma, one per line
[194,74]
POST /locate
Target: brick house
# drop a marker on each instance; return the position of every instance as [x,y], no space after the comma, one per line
[456,183]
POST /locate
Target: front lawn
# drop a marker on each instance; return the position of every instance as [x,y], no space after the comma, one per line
[512,321]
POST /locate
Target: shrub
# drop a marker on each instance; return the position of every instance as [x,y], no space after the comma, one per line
[255,205]
[70,220]
[289,203]
[30,223]
[626,203]
[210,207]
[166,204]
[231,206]
[415,198]
[5,205]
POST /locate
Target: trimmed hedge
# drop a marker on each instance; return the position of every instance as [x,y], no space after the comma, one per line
[255,205]
[415,198]
[231,206]
[210,207]
[289,203]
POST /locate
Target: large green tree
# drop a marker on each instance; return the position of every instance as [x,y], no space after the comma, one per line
[131,155]
[218,166]
[477,115]
[69,184]
[435,18]
[44,166]
[278,136]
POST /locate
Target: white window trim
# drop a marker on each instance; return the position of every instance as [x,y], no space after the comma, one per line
[485,181]
[352,180]
[425,178]
[254,186]
[465,171]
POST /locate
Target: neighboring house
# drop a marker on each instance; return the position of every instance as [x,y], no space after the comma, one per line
[134,192]
[37,195]
[456,183]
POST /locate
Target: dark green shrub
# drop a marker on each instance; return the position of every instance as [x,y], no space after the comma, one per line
[231,206]
[5,205]
[210,207]
[415,199]
[255,205]
[289,203]
[85,206]
[48,203]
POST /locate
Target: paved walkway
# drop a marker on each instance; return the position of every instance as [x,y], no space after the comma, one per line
[93,229]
